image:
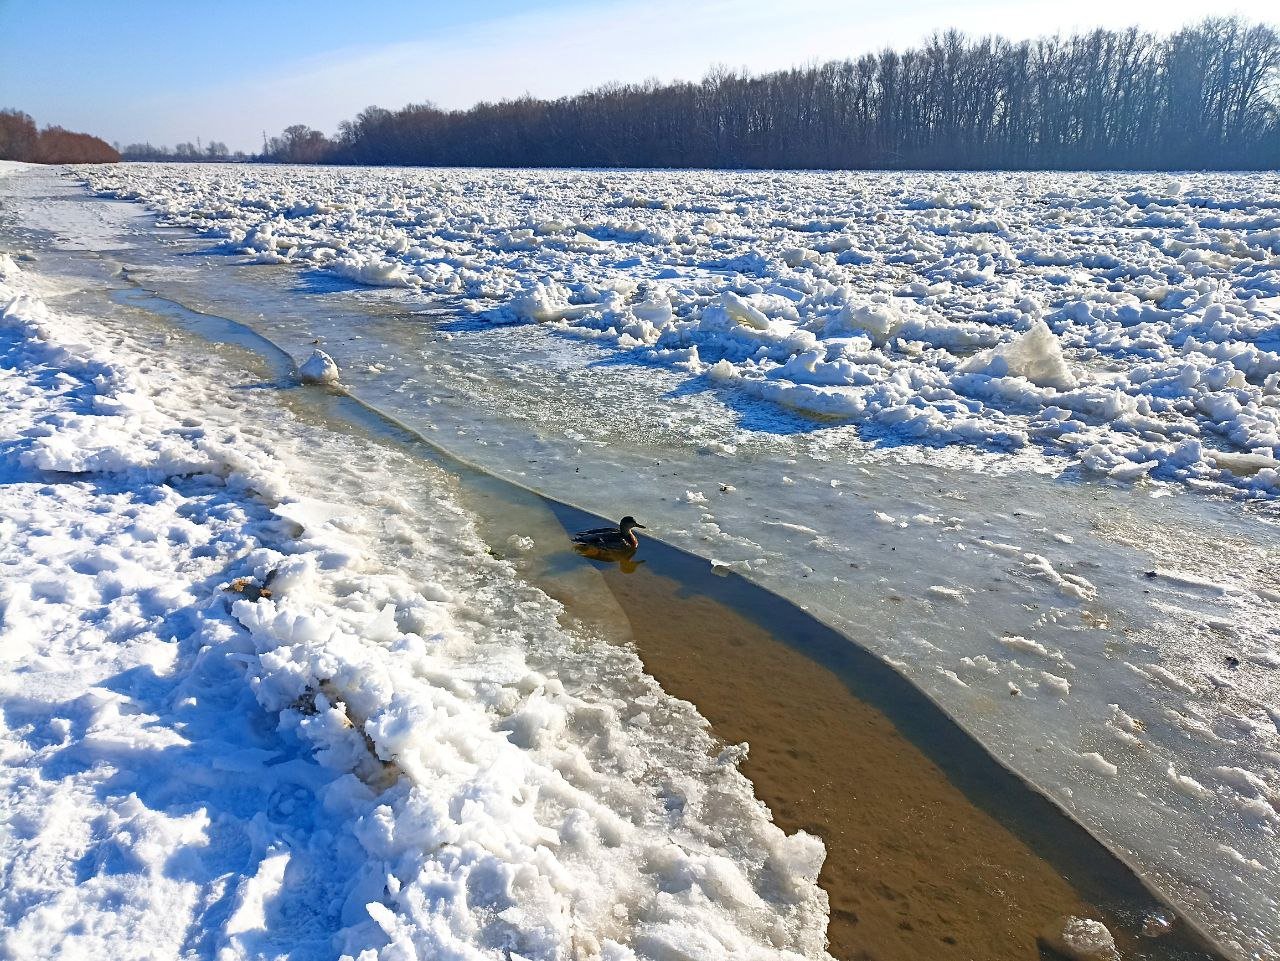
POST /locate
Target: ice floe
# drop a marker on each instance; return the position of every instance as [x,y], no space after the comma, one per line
[1047,312]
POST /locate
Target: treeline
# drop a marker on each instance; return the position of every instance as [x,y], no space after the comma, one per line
[214,152]
[21,140]
[1204,97]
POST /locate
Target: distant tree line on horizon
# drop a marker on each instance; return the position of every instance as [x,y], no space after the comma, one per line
[20,139]
[214,152]
[1207,96]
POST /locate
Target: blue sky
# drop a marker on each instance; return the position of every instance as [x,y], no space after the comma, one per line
[227,70]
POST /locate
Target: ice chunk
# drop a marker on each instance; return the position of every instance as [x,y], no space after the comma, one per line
[1243,464]
[1081,939]
[521,543]
[319,368]
[1035,355]
[1129,471]
[1058,685]
[1099,764]
[742,312]
[879,318]
[1187,785]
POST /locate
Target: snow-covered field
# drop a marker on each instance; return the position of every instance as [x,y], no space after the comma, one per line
[239,721]
[1124,324]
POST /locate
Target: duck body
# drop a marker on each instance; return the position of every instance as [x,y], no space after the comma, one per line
[620,539]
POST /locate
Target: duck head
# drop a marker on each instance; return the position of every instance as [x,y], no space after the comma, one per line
[628,523]
[627,528]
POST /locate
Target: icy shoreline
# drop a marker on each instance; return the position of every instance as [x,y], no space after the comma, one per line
[408,777]
[971,588]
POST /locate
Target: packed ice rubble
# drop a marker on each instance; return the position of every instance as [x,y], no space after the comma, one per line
[1124,324]
[229,728]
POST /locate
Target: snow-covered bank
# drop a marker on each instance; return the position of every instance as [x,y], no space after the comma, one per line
[1124,324]
[244,719]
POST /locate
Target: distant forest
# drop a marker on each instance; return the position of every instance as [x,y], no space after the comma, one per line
[1207,96]
[20,139]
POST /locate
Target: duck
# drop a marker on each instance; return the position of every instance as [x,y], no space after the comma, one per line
[620,539]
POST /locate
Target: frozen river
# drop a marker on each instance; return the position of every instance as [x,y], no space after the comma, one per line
[1099,611]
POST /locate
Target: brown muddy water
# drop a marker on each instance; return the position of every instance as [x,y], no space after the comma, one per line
[914,869]
[934,850]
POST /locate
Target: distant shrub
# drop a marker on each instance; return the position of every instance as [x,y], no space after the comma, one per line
[59,146]
[20,140]
[18,135]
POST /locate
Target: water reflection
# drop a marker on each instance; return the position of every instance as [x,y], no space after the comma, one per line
[625,559]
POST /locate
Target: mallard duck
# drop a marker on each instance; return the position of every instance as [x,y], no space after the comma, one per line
[620,539]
